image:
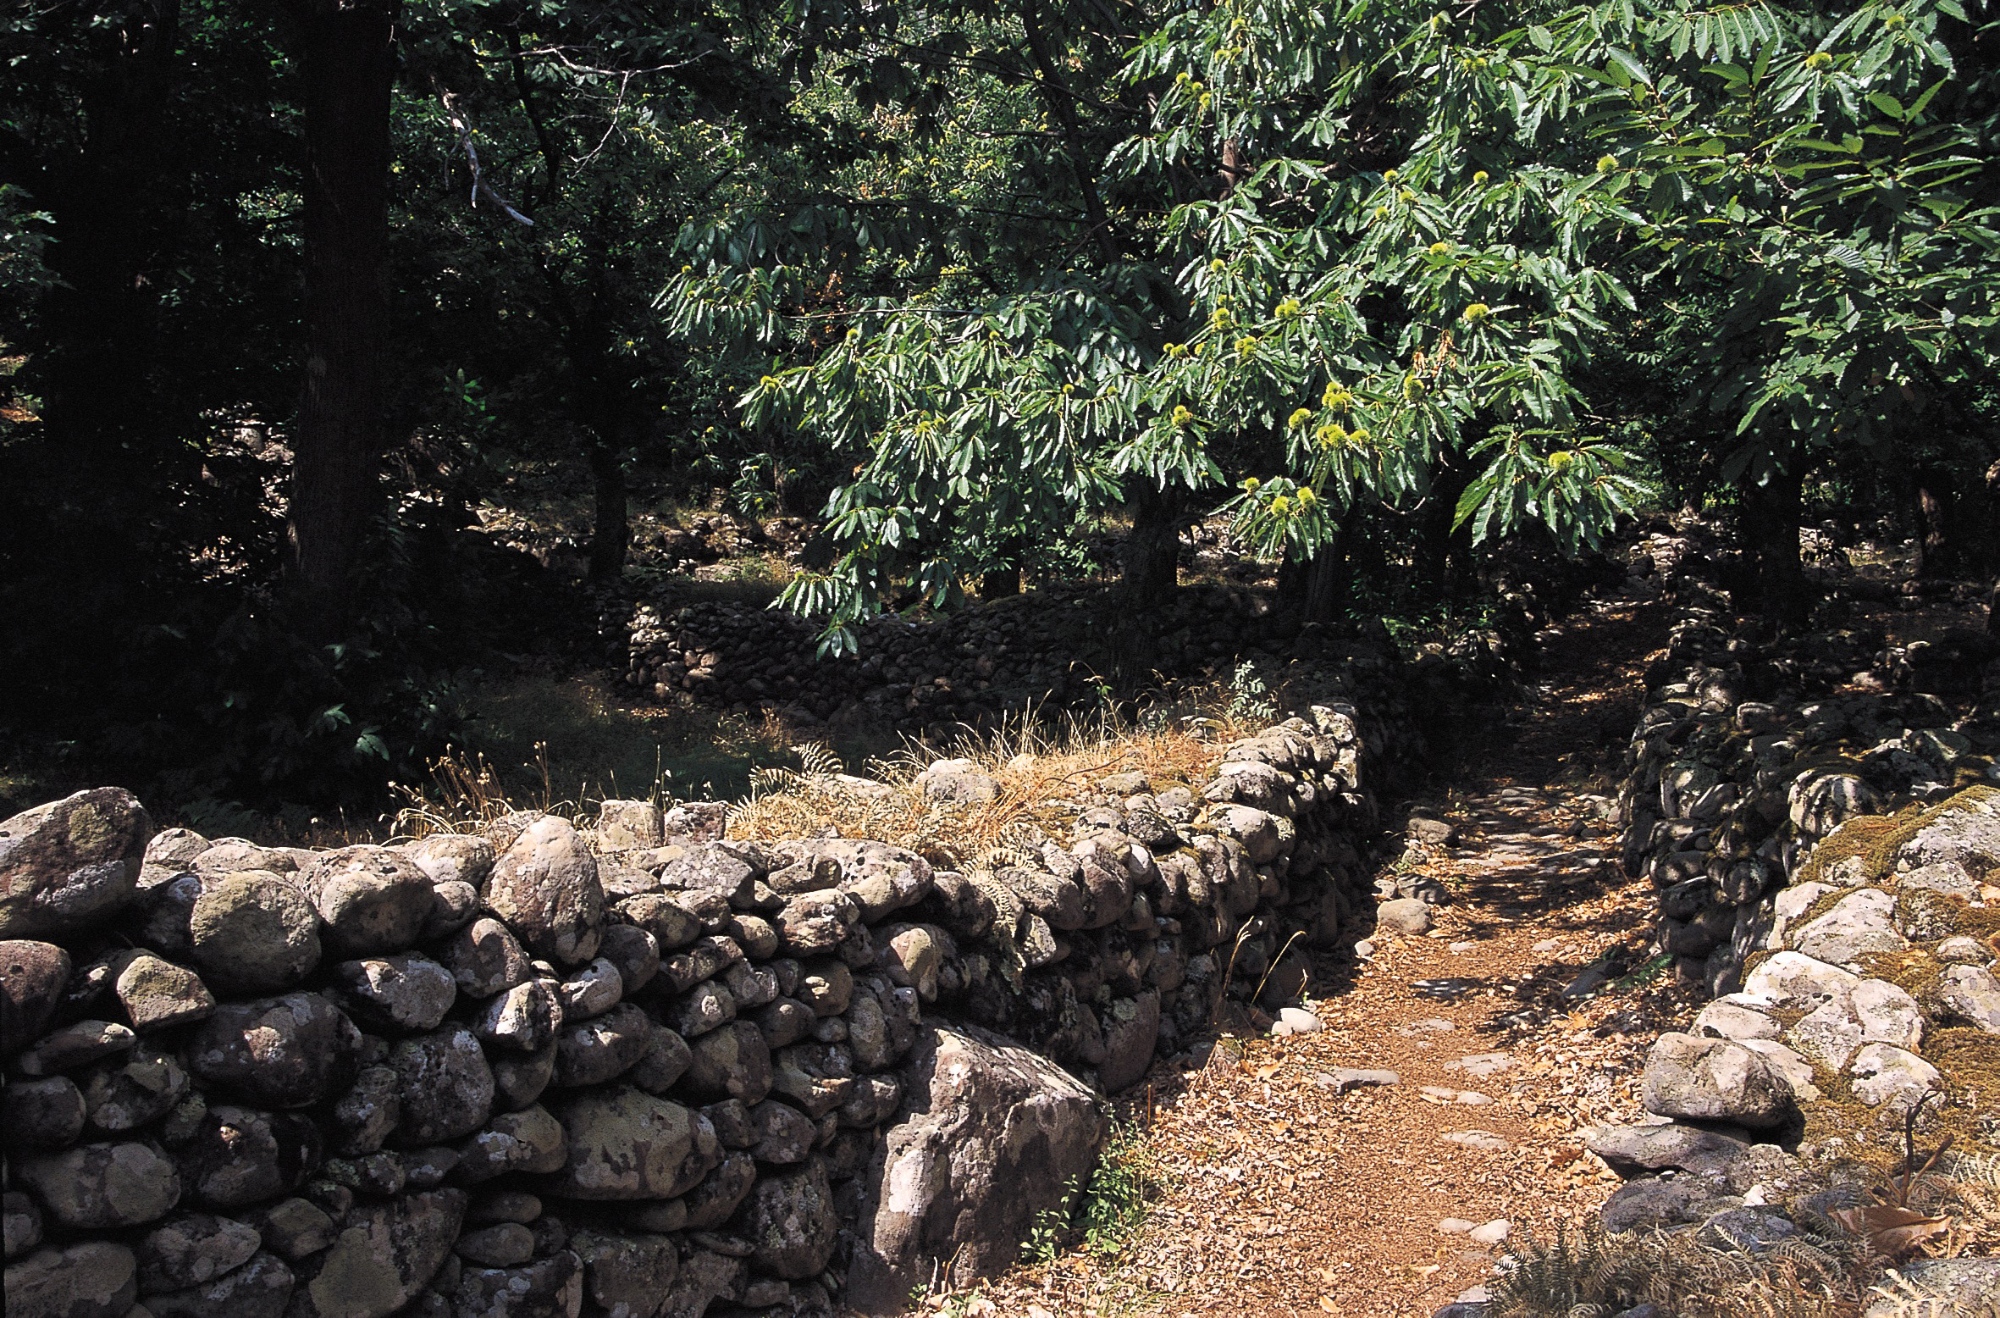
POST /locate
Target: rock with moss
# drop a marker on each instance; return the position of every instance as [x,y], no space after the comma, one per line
[624,1143]
[545,887]
[253,932]
[94,1279]
[385,1254]
[66,865]
[1692,1078]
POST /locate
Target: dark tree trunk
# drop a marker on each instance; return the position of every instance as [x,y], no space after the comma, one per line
[1151,558]
[110,205]
[1290,600]
[1772,513]
[1326,582]
[345,59]
[1932,503]
[610,529]
[1001,583]
[1004,581]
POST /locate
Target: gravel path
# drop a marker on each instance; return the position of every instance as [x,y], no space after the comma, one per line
[1293,1177]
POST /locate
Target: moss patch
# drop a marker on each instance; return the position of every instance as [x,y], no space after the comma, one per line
[1874,838]
[1970,1060]
[1915,972]
[1877,838]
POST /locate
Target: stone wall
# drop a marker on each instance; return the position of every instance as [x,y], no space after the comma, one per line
[627,1069]
[1751,750]
[1821,821]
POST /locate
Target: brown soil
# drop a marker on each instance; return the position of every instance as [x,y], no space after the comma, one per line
[1275,1193]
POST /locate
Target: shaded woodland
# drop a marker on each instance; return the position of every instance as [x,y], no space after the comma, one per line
[298,303]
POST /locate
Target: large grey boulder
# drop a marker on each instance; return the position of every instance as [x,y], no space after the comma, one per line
[33,976]
[1655,1202]
[383,1257]
[545,887]
[157,994]
[732,1062]
[444,1087]
[547,1288]
[629,825]
[1966,830]
[485,958]
[960,782]
[527,1141]
[1667,1146]
[1714,1080]
[791,1223]
[189,1251]
[42,1114]
[279,1052]
[627,1144]
[253,932]
[1793,981]
[1892,1079]
[261,1288]
[23,1223]
[1131,1032]
[524,1019]
[134,1090]
[1860,924]
[374,900]
[95,1279]
[69,864]
[713,867]
[629,1275]
[593,1051]
[1972,994]
[453,858]
[992,1138]
[103,1185]
[402,993]
[239,1156]
[76,1045]
[877,877]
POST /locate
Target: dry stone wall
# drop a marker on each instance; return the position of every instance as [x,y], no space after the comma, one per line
[635,1069]
[1821,820]
[1749,752]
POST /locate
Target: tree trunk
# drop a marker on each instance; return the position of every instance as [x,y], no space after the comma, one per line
[1000,583]
[1772,512]
[111,204]
[1151,557]
[1326,582]
[345,60]
[610,529]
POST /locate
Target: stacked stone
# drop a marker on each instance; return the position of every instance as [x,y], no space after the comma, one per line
[1166,903]
[632,1070]
[1810,1022]
[1749,753]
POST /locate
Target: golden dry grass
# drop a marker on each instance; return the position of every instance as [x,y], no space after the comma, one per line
[1041,771]
[1045,769]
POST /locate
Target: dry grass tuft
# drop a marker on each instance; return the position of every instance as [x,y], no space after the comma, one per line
[1043,771]
[1590,1271]
[1047,771]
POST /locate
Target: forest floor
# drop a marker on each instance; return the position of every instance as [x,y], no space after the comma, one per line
[1273,1188]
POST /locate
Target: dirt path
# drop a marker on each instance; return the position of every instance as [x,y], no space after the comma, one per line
[1285,1190]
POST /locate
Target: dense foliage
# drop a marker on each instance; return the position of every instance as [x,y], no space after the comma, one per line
[1382,281]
